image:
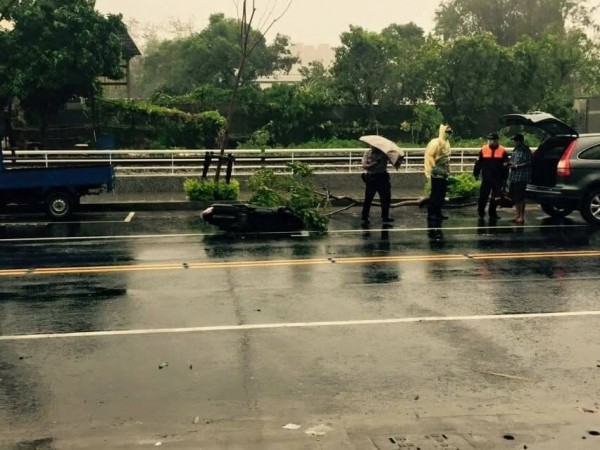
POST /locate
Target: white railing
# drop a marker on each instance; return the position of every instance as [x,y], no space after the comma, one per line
[129,163]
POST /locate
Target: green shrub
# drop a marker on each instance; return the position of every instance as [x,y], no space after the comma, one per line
[208,190]
[199,190]
[226,191]
[463,185]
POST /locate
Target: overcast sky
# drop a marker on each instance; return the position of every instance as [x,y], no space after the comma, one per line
[307,21]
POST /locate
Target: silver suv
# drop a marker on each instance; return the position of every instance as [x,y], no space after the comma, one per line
[566,167]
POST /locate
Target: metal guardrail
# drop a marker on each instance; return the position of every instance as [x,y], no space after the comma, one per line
[181,162]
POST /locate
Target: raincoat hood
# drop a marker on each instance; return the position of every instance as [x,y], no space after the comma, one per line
[438,151]
[443,130]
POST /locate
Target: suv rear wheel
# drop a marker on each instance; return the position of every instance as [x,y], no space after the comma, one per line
[590,208]
[556,211]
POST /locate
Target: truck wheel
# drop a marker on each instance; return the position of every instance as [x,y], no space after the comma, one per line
[555,211]
[590,208]
[59,205]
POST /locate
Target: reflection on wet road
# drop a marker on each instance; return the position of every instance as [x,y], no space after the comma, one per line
[332,328]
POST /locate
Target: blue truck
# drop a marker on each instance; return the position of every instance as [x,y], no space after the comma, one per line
[57,190]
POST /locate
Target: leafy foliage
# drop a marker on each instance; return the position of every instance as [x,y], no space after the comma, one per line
[473,81]
[426,122]
[461,186]
[293,191]
[137,123]
[268,197]
[201,98]
[208,190]
[211,58]
[290,112]
[402,84]
[380,67]
[363,66]
[259,139]
[511,20]
[56,50]
[550,70]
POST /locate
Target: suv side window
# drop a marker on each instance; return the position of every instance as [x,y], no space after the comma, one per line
[591,153]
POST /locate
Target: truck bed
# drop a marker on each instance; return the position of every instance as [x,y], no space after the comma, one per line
[78,178]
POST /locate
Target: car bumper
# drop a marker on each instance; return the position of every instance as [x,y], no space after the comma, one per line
[557,195]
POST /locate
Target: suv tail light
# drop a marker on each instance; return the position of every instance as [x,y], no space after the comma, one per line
[564,165]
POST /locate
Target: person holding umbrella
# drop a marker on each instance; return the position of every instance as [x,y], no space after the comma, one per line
[376,176]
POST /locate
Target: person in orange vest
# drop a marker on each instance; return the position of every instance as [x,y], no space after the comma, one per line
[493,167]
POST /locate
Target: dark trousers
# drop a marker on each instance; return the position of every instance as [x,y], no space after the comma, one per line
[439,187]
[377,184]
[490,189]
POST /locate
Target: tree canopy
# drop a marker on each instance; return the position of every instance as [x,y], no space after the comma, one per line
[362,67]
[380,68]
[511,20]
[55,50]
[212,57]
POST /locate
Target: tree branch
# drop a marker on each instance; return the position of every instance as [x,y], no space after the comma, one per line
[247,46]
[262,33]
[328,195]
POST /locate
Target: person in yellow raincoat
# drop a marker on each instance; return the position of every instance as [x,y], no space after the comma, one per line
[437,170]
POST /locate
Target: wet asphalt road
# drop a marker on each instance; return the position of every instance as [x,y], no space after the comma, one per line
[126,330]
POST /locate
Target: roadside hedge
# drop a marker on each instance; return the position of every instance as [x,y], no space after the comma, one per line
[139,125]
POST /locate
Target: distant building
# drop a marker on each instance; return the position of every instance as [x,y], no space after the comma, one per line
[122,88]
[323,53]
[587,111]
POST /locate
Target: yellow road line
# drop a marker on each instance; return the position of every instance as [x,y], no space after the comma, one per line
[13,272]
[295,262]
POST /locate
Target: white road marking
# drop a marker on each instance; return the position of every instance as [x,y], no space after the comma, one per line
[129,217]
[104,238]
[274,326]
[443,228]
[44,224]
[307,233]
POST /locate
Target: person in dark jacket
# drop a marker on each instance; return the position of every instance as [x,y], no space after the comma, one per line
[377,181]
[493,167]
